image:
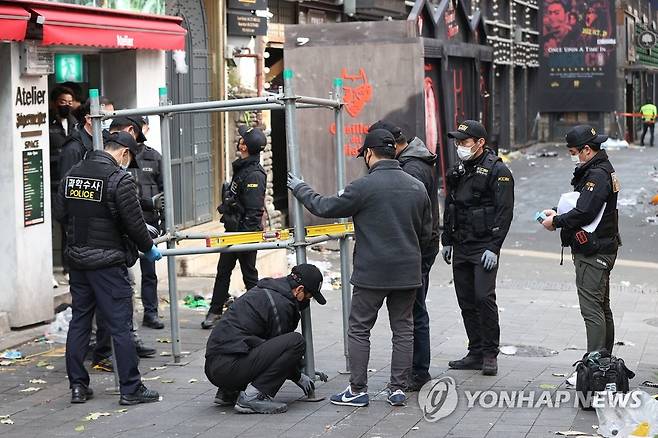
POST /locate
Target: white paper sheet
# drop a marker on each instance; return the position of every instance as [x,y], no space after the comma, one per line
[568,202]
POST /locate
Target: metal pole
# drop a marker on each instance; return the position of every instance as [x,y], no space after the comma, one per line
[346,292]
[95,112]
[265,107]
[297,212]
[185,107]
[170,227]
[318,101]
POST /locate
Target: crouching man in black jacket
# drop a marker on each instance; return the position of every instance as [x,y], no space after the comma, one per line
[253,349]
[97,201]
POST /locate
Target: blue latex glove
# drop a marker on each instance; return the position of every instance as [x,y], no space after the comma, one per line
[489,260]
[293,181]
[446,253]
[153,254]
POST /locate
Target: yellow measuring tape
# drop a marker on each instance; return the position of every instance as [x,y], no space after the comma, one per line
[277,235]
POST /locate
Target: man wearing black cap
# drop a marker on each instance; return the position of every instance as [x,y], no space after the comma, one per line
[243,204]
[594,253]
[419,162]
[254,347]
[393,224]
[148,177]
[478,214]
[97,200]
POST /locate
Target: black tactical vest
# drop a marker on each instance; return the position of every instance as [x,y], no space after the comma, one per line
[90,206]
[472,198]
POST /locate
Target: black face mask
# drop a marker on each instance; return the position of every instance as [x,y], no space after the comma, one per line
[63,110]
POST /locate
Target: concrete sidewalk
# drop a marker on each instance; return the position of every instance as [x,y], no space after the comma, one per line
[539,317]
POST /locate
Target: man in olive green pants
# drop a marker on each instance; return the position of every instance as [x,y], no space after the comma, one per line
[594,253]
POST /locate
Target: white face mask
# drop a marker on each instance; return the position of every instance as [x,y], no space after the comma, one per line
[125,166]
[575,160]
[105,124]
[464,153]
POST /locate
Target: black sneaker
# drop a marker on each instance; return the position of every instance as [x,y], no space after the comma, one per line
[105,365]
[142,395]
[470,362]
[490,366]
[142,350]
[225,397]
[211,320]
[258,404]
[152,321]
[80,394]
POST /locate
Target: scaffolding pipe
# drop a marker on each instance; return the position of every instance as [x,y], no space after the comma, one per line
[167,182]
[266,107]
[290,100]
[328,103]
[187,107]
[346,292]
[96,128]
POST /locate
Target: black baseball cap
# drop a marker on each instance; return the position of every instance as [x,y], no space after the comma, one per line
[310,277]
[579,136]
[377,139]
[468,129]
[136,122]
[126,140]
[254,138]
[390,127]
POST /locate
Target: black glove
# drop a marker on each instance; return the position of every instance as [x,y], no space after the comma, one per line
[146,204]
[306,384]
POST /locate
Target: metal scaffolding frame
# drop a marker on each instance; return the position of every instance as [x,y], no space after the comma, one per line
[289,102]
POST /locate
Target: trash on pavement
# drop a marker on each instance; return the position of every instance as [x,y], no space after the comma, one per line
[42,363]
[653,220]
[79,428]
[192,381]
[640,421]
[571,433]
[59,328]
[547,386]
[164,340]
[4,419]
[30,389]
[509,350]
[96,415]
[650,384]
[6,363]
[165,353]
[195,301]
[158,368]
[38,381]
[572,379]
[151,378]
[11,354]
[167,381]
[550,154]
[559,375]
[627,343]
[120,411]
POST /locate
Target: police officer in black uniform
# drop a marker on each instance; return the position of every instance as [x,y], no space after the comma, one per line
[479,209]
[254,348]
[98,203]
[594,254]
[148,176]
[243,204]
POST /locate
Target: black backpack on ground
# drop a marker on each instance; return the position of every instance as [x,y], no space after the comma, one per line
[600,371]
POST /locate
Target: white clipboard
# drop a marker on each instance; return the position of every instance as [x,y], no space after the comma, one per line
[568,202]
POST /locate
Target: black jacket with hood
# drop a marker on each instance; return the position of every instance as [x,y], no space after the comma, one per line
[420,163]
[251,319]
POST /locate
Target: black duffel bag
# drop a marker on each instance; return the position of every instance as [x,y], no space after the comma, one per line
[600,371]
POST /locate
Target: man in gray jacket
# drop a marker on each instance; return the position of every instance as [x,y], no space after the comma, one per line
[392,224]
[416,160]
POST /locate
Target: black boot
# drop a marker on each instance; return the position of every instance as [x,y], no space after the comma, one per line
[151,320]
[490,366]
[142,350]
[417,382]
[142,395]
[225,397]
[470,362]
[211,320]
[252,401]
[80,394]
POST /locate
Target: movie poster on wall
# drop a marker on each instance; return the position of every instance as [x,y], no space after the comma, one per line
[577,55]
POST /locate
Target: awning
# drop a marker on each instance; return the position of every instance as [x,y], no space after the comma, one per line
[100,27]
[13,22]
